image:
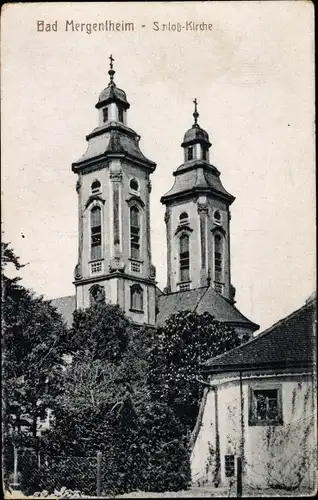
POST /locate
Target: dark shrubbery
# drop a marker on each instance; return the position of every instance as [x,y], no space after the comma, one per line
[130,393]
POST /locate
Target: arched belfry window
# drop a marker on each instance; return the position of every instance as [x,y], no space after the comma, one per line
[218,258]
[96,232]
[96,295]
[184,258]
[190,153]
[136,298]
[95,187]
[134,232]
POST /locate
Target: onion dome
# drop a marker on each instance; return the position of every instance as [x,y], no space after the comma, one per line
[112,93]
[196,134]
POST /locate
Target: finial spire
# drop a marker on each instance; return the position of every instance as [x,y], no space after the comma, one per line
[195,114]
[111,71]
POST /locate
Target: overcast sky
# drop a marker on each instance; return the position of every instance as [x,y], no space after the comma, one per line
[253,76]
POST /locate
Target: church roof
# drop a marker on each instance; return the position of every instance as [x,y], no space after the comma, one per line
[112,94]
[288,343]
[197,177]
[195,134]
[65,306]
[201,300]
[114,138]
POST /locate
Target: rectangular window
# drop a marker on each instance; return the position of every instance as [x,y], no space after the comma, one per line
[190,153]
[265,406]
[105,115]
[229,465]
[204,154]
[120,115]
[96,233]
[218,266]
[134,242]
[184,258]
[184,268]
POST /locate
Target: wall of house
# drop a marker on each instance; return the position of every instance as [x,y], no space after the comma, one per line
[274,456]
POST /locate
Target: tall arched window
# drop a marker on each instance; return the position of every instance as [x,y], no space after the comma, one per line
[218,258]
[136,298]
[96,295]
[184,258]
[96,233]
[134,233]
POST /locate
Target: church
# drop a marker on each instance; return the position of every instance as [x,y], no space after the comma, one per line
[114,226]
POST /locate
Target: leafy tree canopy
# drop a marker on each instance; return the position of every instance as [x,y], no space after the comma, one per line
[33,341]
[180,347]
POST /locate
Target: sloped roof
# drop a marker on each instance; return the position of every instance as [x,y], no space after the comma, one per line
[289,342]
[65,306]
[198,176]
[113,138]
[201,300]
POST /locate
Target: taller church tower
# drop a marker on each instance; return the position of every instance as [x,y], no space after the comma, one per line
[198,220]
[113,186]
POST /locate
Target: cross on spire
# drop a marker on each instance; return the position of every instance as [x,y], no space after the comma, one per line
[111,71]
[195,114]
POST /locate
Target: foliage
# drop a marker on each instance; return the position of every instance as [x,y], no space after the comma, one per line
[291,447]
[33,341]
[99,332]
[106,406]
[180,347]
[130,393]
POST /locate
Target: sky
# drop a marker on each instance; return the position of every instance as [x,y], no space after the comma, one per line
[253,76]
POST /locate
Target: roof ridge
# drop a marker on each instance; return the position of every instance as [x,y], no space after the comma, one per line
[289,316]
[262,334]
[184,291]
[63,297]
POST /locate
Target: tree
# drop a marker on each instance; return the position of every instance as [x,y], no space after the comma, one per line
[106,406]
[99,332]
[33,341]
[185,341]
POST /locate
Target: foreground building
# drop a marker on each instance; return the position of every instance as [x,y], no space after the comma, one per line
[260,404]
[114,245]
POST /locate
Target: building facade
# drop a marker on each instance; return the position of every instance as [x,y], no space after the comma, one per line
[260,404]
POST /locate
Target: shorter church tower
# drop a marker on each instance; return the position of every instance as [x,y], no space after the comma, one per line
[198,220]
[113,186]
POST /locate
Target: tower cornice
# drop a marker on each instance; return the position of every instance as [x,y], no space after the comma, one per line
[92,164]
[190,193]
[110,126]
[186,167]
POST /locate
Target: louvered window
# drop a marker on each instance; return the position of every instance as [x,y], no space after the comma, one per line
[96,233]
[184,258]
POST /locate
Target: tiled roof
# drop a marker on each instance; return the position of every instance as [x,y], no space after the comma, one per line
[202,300]
[200,177]
[66,307]
[289,342]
